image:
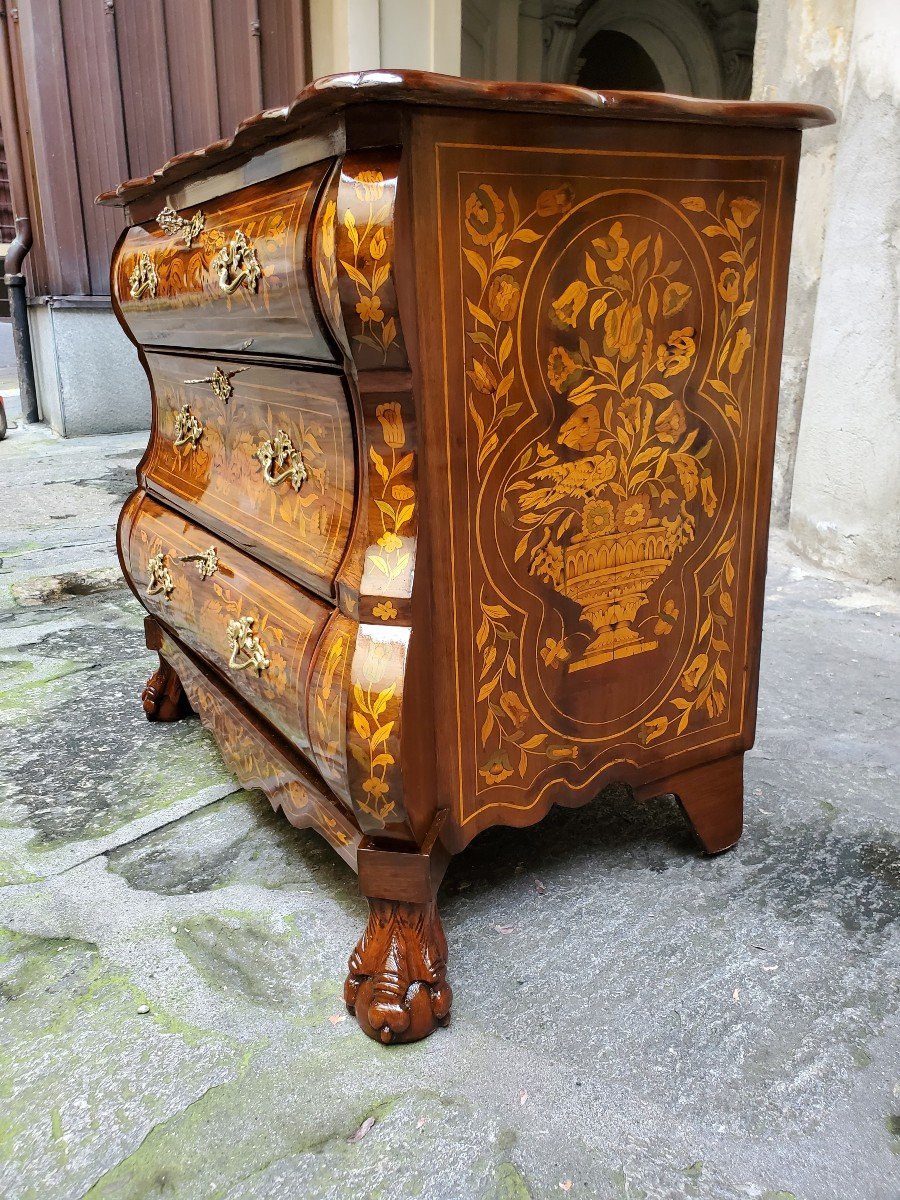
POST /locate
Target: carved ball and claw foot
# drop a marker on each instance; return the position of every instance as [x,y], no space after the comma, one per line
[397,982]
[163,697]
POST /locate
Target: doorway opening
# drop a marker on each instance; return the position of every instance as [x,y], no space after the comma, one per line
[613,60]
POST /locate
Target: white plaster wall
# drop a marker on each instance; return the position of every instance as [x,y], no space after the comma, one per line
[802,54]
[845,510]
[344,36]
[490,39]
[421,34]
[88,376]
[363,35]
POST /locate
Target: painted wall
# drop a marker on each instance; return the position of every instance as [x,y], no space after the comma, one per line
[362,35]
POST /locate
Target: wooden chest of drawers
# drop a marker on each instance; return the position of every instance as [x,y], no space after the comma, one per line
[456,500]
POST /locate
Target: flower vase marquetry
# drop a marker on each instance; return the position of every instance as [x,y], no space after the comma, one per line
[456,500]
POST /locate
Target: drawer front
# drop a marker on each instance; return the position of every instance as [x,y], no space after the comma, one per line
[257,762]
[231,275]
[262,455]
[255,628]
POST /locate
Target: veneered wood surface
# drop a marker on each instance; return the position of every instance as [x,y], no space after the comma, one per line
[287,621]
[258,758]
[303,532]
[712,797]
[190,309]
[602,376]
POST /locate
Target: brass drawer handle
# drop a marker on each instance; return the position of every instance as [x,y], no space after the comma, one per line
[207,562]
[144,277]
[160,577]
[220,382]
[188,430]
[247,651]
[279,461]
[170,222]
[237,264]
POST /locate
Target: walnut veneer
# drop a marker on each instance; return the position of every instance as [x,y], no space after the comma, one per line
[456,500]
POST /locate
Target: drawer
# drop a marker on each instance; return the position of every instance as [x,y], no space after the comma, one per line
[257,629]
[266,459]
[231,275]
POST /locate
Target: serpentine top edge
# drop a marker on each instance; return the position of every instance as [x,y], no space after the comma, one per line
[417,88]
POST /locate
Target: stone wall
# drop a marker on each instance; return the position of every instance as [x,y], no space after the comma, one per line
[802,53]
[845,506]
[88,376]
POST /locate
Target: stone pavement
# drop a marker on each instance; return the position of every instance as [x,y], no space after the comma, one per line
[631,1020]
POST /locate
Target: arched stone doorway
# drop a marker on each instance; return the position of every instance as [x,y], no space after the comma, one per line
[614,60]
[691,47]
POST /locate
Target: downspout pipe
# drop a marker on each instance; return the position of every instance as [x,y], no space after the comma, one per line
[19,247]
[18,311]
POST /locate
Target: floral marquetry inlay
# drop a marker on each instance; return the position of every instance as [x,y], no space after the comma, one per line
[373,727]
[354,260]
[389,560]
[607,358]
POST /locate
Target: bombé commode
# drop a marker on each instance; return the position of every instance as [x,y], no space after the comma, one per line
[456,500]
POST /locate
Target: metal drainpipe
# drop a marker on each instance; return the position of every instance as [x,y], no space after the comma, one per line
[13,277]
[18,311]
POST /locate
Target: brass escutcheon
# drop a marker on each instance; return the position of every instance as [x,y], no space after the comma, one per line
[220,382]
[188,430]
[236,264]
[160,576]
[279,461]
[247,651]
[144,277]
[207,562]
[170,222]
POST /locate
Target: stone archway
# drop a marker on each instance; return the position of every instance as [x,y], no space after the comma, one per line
[615,60]
[670,33]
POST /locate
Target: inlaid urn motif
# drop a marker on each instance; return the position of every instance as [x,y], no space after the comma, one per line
[606,508]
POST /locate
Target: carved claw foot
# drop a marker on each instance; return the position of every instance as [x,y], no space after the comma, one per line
[163,698]
[397,986]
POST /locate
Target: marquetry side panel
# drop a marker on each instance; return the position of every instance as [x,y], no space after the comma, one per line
[606,324]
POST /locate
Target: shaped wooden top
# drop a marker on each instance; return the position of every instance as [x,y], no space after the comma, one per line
[327,96]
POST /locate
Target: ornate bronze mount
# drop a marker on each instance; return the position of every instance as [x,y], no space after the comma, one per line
[237,264]
[160,576]
[188,430]
[170,222]
[247,651]
[207,562]
[279,461]
[220,382]
[143,278]
[397,982]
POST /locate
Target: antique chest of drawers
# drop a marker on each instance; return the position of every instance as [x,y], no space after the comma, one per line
[455,505]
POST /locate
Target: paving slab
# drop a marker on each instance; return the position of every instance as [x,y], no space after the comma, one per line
[632,1020]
